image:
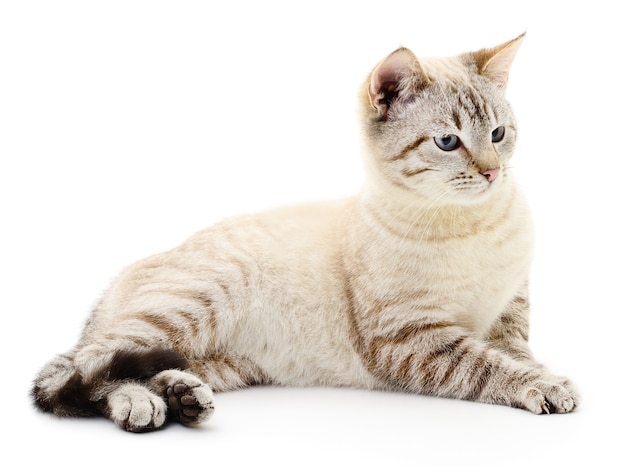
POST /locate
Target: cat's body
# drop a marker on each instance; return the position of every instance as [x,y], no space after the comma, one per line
[418,284]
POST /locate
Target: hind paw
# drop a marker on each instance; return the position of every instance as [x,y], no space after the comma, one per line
[190,405]
[135,408]
[189,400]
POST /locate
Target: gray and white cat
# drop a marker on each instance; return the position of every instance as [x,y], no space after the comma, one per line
[417,284]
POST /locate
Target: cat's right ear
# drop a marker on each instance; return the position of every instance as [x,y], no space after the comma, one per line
[395,81]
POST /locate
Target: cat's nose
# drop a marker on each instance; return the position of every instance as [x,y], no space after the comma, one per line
[491,174]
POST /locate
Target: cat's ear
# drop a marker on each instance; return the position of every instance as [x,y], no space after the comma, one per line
[395,81]
[495,63]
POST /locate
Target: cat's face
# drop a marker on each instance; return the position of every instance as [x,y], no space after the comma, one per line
[442,128]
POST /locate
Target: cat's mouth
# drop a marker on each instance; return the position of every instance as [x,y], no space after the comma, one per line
[476,186]
[476,183]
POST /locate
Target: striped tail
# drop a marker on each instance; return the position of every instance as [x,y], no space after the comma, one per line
[59,388]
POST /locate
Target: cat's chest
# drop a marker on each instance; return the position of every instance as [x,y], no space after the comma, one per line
[468,279]
[473,284]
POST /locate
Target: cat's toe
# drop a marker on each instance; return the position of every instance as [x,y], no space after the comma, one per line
[548,398]
[190,405]
[563,398]
[136,409]
[533,400]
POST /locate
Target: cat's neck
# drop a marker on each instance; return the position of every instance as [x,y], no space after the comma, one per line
[406,214]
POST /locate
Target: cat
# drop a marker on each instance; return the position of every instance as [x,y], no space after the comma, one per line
[417,284]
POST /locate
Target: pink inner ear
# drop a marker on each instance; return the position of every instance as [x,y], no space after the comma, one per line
[390,86]
[389,73]
[498,61]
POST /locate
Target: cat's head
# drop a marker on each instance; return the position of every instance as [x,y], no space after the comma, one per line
[441,128]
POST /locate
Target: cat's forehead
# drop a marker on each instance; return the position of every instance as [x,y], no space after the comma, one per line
[461,95]
[455,75]
[444,70]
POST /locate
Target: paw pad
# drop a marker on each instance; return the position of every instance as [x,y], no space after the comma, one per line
[189,405]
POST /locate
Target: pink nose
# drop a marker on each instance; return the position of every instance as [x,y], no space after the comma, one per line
[491,174]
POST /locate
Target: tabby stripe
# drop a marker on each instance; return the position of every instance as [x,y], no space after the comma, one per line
[445,349]
[412,173]
[208,304]
[405,334]
[161,323]
[478,102]
[355,336]
[244,269]
[230,365]
[472,104]
[476,378]
[188,295]
[408,297]
[139,341]
[457,119]
[225,290]
[453,364]
[410,330]
[212,321]
[411,147]
[523,377]
[396,228]
[190,318]
[513,326]
[205,300]
[403,372]
[223,372]
[431,364]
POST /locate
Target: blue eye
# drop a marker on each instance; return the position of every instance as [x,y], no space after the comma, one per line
[497,134]
[448,142]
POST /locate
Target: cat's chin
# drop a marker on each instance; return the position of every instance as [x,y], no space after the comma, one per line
[475,196]
[466,194]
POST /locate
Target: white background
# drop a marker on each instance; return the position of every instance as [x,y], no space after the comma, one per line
[125,126]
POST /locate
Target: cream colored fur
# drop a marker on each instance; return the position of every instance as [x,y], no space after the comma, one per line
[419,283]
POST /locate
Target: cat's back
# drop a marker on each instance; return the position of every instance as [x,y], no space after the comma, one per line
[248,255]
[242,258]
[292,233]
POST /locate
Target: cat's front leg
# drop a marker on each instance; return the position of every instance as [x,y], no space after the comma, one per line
[441,358]
[510,331]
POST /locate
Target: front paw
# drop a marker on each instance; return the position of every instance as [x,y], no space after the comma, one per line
[549,395]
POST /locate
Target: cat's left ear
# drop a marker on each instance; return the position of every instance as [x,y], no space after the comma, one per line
[395,81]
[495,63]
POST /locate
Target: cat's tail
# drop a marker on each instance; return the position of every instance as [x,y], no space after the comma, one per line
[59,389]
[63,389]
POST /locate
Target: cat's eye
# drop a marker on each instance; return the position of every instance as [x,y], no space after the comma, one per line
[448,142]
[497,134]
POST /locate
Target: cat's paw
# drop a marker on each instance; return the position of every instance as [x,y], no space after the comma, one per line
[135,408]
[550,395]
[189,400]
[190,405]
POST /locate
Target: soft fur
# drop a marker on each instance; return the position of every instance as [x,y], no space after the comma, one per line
[417,284]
